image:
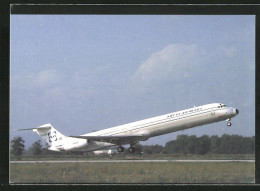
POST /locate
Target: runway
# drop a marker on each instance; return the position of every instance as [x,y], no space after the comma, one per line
[128,161]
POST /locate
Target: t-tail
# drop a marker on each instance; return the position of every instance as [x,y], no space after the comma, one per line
[49,134]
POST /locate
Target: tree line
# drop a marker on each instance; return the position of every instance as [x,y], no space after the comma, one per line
[183,144]
[226,144]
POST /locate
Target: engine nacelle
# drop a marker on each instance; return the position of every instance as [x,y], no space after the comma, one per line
[54,149]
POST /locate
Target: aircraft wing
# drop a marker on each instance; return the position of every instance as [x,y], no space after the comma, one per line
[118,140]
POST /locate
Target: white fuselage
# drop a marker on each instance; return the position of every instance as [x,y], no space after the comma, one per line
[156,126]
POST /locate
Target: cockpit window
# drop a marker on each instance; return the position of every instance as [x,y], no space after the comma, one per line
[222,105]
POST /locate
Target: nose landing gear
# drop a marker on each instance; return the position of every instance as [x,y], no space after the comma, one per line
[228,122]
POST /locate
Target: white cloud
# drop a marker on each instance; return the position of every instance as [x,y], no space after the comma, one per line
[47,78]
[52,85]
[42,79]
[228,51]
[56,92]
[173,62]
[179,64]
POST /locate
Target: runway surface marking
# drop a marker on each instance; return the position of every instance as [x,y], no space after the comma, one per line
[125,161]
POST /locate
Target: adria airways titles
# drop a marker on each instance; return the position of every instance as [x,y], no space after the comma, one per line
[132,133]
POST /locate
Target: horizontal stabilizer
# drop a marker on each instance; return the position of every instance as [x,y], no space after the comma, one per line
[118,140]
[33,128]
[43,127]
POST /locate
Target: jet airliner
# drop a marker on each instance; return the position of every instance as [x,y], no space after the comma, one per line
[132,133]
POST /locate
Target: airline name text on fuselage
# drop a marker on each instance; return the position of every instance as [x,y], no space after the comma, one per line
[184,112]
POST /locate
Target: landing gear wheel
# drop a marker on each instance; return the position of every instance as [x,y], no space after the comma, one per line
[228,122]
[131,149]
[120,149]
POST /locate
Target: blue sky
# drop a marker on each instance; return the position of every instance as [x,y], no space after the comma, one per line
[89,72]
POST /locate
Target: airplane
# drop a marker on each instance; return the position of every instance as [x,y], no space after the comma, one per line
[133,133]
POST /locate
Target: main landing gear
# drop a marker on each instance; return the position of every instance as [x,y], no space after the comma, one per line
[122,149]
[131,149]
[228,122]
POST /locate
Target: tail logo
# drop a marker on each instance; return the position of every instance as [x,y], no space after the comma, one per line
[52,136]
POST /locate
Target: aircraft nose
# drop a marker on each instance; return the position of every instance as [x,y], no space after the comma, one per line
[237,111]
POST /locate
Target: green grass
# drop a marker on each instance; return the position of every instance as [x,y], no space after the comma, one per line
[169,172]
[138,157]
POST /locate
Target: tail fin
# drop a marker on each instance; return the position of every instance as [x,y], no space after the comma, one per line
[48,133]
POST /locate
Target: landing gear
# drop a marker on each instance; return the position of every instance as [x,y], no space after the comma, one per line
[228,122]
[120,149]
[131,149]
